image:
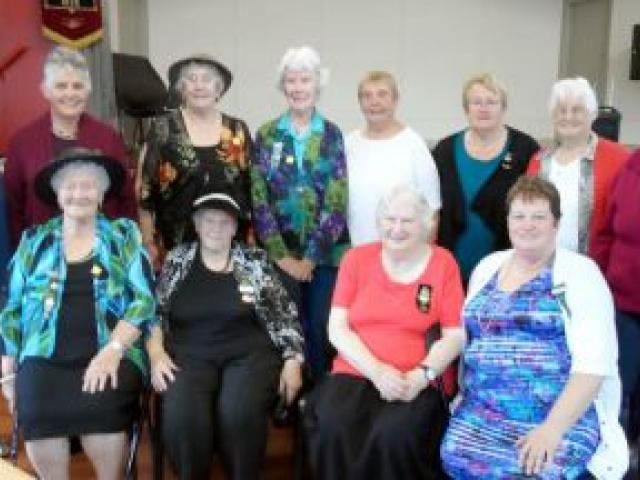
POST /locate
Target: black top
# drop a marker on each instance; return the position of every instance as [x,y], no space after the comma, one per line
[208,320]
[77,335]
[490,200]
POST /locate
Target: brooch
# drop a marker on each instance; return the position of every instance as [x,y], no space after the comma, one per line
[423,298]
[507,163]
[247,292]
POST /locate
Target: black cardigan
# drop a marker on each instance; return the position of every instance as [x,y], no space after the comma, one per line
[490,200]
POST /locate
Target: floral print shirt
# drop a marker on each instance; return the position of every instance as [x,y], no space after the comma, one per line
[173,173]
[122,286]
[256,279]
[300,201]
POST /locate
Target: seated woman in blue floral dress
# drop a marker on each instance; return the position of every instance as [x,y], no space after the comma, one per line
[541,390]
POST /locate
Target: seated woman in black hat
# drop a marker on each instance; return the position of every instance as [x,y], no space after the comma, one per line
[234,342]
[186,147]
[79,297]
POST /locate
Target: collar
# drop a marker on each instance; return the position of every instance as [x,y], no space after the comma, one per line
[316,124]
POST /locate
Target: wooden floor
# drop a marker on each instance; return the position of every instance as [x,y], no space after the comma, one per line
[277,467]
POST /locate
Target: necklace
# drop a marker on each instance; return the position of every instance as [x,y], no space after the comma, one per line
[64,133]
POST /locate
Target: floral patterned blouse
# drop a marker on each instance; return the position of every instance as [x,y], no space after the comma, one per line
[174,172]
[300,196]
[256,278]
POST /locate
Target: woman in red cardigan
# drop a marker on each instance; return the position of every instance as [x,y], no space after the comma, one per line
[580,164]
[616,248]
[66,86]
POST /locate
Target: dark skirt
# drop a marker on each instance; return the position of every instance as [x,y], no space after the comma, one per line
[354,434]
[51,403]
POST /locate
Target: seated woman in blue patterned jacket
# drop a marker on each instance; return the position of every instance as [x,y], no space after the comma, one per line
[233,339]
[79,297]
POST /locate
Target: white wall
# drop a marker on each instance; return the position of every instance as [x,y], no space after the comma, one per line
[431,46]
[624,93]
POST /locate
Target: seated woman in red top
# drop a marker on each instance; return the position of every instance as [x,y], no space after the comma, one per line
[373,417]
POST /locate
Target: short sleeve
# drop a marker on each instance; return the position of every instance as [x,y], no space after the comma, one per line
[452,293]
[347,282]
[428,179]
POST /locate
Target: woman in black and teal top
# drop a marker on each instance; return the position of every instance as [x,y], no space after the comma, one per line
[477,166]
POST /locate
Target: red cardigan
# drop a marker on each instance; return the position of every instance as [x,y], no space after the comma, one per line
[32,147]
[608,159]
[616,247]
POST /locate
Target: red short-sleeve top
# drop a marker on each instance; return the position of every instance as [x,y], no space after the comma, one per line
[392,318]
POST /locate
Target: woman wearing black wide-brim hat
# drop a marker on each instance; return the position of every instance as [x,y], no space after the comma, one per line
[187,147]
[233,341]
[79,298]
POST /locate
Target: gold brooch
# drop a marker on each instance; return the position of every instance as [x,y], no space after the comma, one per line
[96,270]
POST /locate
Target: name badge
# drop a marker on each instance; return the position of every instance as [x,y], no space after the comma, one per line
[276,155]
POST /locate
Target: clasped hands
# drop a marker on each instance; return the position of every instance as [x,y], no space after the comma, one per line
[397,386]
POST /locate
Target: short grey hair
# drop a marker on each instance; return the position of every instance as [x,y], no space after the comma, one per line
[186,70]
[578,88]
[422,210]
[90,168]
[63,58]
[298,59]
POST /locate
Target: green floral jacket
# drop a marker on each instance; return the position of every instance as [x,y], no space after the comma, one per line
[122,286]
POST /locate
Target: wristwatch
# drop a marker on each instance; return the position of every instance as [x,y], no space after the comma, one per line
[429,373]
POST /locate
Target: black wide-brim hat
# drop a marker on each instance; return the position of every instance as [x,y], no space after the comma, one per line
[174,70]
[115,171]
[219,196]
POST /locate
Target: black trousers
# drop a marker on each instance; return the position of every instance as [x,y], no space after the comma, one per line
[221,408]
[354,434]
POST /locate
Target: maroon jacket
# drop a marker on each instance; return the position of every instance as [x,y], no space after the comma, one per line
[32,147]
[617,246]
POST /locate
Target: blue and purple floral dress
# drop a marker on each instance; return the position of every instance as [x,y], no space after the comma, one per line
[516,364]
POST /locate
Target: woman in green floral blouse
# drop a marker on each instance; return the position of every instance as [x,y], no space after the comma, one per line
[186,148]
[79,299]
[299,192]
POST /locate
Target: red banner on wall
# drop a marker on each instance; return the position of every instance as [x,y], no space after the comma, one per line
[75,23]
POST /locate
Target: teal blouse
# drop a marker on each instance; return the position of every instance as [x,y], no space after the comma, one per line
[122,286]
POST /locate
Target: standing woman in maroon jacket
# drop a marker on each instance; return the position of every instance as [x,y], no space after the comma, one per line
[66,85]
[616,248]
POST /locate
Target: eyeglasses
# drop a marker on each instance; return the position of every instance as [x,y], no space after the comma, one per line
[484,102]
